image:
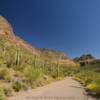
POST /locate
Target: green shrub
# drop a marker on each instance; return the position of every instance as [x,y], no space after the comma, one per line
[76,78]
[17,86]
[5,74]
[2,94]
[33,74]
[91,86]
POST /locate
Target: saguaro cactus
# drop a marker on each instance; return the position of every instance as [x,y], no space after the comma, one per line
[58,68]
[17,57]
[35,59]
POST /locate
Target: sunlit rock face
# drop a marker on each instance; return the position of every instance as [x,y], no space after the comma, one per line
[5,27]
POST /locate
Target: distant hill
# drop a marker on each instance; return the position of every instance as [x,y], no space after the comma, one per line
[55,56]
[86,59]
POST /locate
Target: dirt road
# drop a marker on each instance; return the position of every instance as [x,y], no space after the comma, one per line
[66,89]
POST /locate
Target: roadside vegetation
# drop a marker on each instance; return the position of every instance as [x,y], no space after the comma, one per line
[21,70]
[89,77]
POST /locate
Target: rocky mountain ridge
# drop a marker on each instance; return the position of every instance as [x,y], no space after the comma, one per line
[6,31]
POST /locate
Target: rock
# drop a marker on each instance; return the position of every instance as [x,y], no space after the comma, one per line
[5,27]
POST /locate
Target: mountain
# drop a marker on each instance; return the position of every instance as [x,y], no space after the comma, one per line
[55,56]
[9,39]
[5,27]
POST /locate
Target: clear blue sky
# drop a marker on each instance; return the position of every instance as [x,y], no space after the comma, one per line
[72,26]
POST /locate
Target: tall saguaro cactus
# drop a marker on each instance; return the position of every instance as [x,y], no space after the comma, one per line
[35,58]
[58,68]
[17,57]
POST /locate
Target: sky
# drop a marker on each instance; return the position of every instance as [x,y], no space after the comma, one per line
[71,26]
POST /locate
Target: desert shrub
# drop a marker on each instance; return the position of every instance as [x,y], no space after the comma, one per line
[47,79]
[5,74]
[94,87]
[17,86]
[2,94]
[8,91]
[91,87]
[76,78]
[90,78]
[33,74]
